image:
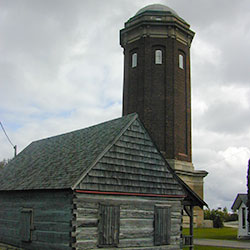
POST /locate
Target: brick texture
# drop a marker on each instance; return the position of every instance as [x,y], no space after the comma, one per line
[160,93]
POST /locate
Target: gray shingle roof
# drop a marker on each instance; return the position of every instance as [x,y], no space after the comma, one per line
[58,162]
[238,200]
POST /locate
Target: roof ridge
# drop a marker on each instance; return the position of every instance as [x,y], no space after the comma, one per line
[80,129]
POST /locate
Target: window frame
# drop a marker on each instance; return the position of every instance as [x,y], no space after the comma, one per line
[108,225]
[134,59]
[158,56]
[181,61]
[162,225]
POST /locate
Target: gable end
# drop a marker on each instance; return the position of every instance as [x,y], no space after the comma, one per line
[132,165]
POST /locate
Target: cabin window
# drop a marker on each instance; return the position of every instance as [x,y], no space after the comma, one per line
[134,60]
[162,225]
[158,56]
[26,224]
[181,61]
[109,225]
[243,217]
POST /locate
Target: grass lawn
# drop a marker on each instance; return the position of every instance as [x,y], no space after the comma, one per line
[212,248]
[225,233]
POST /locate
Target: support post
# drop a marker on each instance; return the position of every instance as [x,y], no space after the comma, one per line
[191,227]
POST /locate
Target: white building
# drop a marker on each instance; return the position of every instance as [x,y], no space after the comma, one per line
[240,204]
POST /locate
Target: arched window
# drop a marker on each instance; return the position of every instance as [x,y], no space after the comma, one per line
[158,56]
[134,60]
[181,61]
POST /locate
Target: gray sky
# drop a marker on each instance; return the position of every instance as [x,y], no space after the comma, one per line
[61,69]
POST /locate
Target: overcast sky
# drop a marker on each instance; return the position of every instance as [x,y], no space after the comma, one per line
[61,69]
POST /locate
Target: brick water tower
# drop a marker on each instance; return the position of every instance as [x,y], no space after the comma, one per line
[156,43]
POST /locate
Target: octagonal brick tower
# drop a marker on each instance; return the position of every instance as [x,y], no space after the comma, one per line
[156,43]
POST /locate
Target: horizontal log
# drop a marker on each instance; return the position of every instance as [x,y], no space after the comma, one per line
[136,214]
[136,223]
[142,242]
[52,216]
[86,244]
[53,226]
[90,233]
[86,212]
[86,222]
[135,233]
[51,237]
[9,232]
[45,245]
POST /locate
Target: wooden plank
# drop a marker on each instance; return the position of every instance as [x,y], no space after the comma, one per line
[90,233]
[135,233]
[108,227]
[139,141]
[10,232]
[134,157]
[9,223]
[87,222]
[141,242]
[134,152]
[51,237]
[53,226]
[116,181]
[136,223]
[26,224]
[133,214]
[86,212]
[132,163]
[86,244]
[45,246]
[129,176]
[127,201]
[140,169]
[52,216]
[162,225]
[136,146]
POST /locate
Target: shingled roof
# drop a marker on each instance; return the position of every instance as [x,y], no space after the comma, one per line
[82,158]
[57,162]
[241,198]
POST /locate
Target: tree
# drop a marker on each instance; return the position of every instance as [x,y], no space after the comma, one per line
[219,216]
[3,163]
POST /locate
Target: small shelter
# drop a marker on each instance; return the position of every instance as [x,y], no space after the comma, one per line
[106,186]
[240,204]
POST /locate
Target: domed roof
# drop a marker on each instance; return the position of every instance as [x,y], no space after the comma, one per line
[155,8]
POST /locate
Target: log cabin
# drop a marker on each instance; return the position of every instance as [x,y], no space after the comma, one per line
[106,186]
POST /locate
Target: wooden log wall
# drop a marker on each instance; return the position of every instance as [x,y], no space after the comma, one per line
[51,219]
[136,221]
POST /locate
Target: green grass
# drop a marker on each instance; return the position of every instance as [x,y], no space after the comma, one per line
[211,248]
[225,233]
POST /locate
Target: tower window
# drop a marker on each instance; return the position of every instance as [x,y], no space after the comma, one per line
[181,61]
[158,56]
[134,60]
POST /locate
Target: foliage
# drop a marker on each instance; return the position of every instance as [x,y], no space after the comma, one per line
[3,163]
[219,216]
